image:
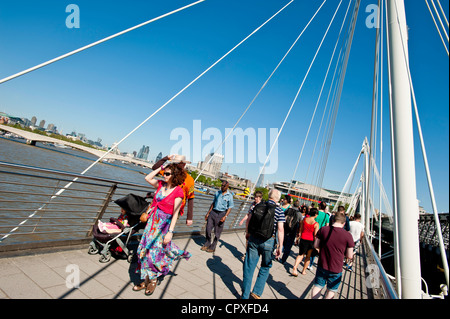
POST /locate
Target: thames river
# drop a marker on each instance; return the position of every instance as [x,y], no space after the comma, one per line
[67,160]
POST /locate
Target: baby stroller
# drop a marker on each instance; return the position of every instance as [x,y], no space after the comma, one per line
[107,243]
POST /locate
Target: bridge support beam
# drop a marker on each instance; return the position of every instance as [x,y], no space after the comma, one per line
[31,142]
[407,208]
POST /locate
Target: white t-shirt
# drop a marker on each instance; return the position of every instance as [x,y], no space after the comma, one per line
[355,229]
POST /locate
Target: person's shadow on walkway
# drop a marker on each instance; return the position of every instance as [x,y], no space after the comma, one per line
[223,272]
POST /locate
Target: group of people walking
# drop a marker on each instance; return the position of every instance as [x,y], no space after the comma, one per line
[272,228]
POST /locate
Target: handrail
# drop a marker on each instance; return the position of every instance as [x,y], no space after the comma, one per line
[387,285]
[31,216]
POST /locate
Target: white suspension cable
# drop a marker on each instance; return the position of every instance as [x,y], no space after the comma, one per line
[443,13]
[440,20]
[159,109]
[394,182]
[96,43]
[320,95]
[298,92]
[260,90]
[350,177]
[437,27]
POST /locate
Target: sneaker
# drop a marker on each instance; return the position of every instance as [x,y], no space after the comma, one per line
[204,248]
[209,250]
[349,268]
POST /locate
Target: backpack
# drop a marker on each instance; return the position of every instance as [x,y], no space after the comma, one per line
[261,223]
[292,219]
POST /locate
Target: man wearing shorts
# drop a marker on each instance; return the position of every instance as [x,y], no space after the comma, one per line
[334,243]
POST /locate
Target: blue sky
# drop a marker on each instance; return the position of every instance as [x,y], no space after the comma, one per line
[108,90]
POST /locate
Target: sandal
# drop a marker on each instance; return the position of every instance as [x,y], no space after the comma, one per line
[140,286]
[151,287]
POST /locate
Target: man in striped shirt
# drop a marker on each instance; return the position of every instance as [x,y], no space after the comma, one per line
[257,247]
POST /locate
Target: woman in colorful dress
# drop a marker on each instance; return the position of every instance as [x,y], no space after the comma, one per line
[156,250]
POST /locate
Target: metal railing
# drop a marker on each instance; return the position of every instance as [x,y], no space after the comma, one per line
[33,215]
[386,290]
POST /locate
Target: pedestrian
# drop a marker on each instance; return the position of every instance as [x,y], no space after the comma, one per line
[341,209]
[334,243]
[291,226]
[266,221]
[258,199]
[357,232]
[216,216]
[156,250]
[304,210]
[306,235]
[286,202]
[323,219]
[187,185]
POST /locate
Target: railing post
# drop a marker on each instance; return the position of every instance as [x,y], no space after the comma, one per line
[100,214]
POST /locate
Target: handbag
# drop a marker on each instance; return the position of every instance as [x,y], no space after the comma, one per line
[144,217]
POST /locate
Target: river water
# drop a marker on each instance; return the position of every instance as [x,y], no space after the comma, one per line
[22,196]
[67,160]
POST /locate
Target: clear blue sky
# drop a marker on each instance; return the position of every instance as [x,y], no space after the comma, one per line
[108,90]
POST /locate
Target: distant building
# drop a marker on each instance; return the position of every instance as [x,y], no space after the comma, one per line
[51,128]
[213,167]
[143,153]
[307,193]
[158,157]
[33,120]
[42,123]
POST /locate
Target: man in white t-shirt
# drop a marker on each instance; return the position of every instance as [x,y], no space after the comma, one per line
[357,232]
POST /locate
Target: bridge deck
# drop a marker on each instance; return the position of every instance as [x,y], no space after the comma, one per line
[204,276]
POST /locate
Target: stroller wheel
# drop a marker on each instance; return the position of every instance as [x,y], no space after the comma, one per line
[131,257]
[92,249]
[104,258]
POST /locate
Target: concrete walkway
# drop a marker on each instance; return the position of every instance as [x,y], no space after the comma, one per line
[203,276]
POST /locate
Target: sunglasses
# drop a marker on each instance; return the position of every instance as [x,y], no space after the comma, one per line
[167,173]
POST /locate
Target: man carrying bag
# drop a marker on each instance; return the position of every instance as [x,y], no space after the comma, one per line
[266,221]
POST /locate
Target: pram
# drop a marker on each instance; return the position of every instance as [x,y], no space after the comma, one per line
[107,243]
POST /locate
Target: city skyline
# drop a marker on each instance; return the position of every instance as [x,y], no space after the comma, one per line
[108,90]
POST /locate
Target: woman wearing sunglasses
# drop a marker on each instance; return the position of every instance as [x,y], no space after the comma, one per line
[156,250]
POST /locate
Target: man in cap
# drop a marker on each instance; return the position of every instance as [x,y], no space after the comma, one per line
[216,216]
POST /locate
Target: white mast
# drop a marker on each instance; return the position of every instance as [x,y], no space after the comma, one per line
[404,173]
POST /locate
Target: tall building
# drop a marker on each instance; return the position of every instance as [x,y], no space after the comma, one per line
[158,157]
[41,124]
[260,181]
[143,153]
[214,166]
[33,120]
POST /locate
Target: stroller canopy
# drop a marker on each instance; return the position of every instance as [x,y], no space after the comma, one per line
[134,205]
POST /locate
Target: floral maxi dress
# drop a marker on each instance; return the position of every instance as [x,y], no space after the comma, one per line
[159,258]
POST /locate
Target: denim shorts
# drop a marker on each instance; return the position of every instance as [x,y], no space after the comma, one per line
[331,279]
